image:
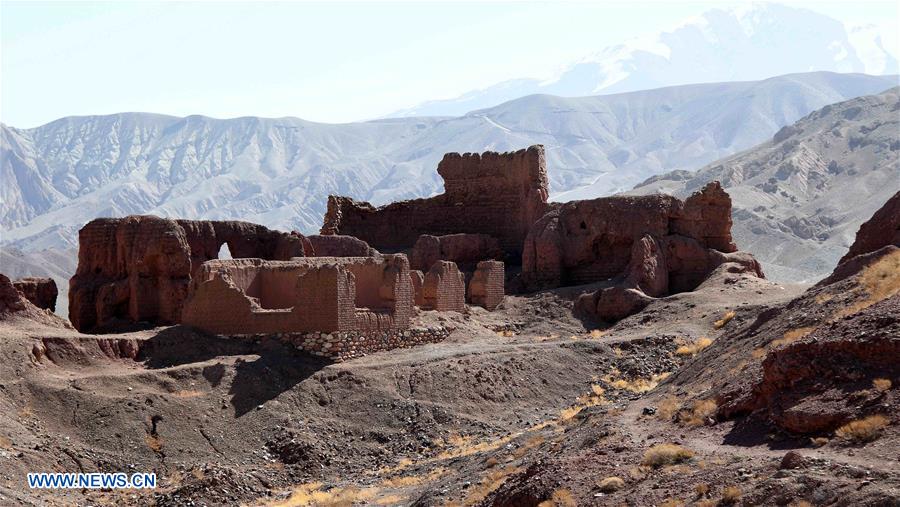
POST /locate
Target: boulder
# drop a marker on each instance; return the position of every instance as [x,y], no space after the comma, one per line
[42,292]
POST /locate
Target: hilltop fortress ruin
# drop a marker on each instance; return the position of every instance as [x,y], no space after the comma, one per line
[356,287]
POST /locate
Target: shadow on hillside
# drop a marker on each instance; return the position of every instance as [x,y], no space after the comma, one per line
[277,368]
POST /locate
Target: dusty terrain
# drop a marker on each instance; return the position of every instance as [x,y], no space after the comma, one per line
[519,406]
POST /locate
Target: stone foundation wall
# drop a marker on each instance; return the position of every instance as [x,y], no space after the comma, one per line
[344,345]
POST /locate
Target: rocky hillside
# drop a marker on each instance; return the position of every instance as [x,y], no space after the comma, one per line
[278,172]
[800,197]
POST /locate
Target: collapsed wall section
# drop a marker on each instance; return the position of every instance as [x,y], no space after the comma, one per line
[496,194]
[138,268]
[590,241]
[486,286]
[325,294]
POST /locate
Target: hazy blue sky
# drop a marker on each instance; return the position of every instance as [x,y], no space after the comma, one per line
[319,61]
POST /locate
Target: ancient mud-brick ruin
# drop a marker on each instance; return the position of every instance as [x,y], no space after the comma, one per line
[496,194]
[486,286]
[304,294]
[336,294]
[139,268]
[466,250]
[442,288]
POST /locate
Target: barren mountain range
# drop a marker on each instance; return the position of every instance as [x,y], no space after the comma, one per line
[799,198]
[766,39]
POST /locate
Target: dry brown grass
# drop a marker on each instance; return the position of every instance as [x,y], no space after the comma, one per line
[667,408]
[701,490]
[488,484]
[312,494]
[413,480]
[699,413]
[819,441]
[153,442]
[666,454]
[730,495]
[759,353]
[611,484]
[881,384]
[637,385]
[705,503]
[800,503]
[506,334]
[671,502]
[5,443]
[792,336]
[529,444]
[863,430]
[719,324]
[560,498]
[597,333]
[188,393]
[693,348]
[880,280]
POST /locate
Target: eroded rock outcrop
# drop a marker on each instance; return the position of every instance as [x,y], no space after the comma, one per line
[648,246]
[139,268]
[14,306]
[497,194]
[42,292]
[878,236]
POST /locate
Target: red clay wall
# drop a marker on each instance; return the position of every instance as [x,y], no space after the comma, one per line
[312,294]
[589,241]
[486,288]
[466,250]
[444,288]
[138,268]
[498,194]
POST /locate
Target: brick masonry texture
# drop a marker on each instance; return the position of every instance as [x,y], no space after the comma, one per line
[444,288]
[486,286]
[496,194]
[251,296]
[139,268]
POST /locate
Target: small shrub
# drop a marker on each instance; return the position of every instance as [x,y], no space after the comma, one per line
[153,442]
[719,324]
[819,441]
[792,336]
[880,280]
[699,413]
[666,454]
[560,498]
[667,408]
[597,333]
[863,430]
[692,349]
[611,484]
[701,489]
[730,495]
[491,462]
[881,384]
